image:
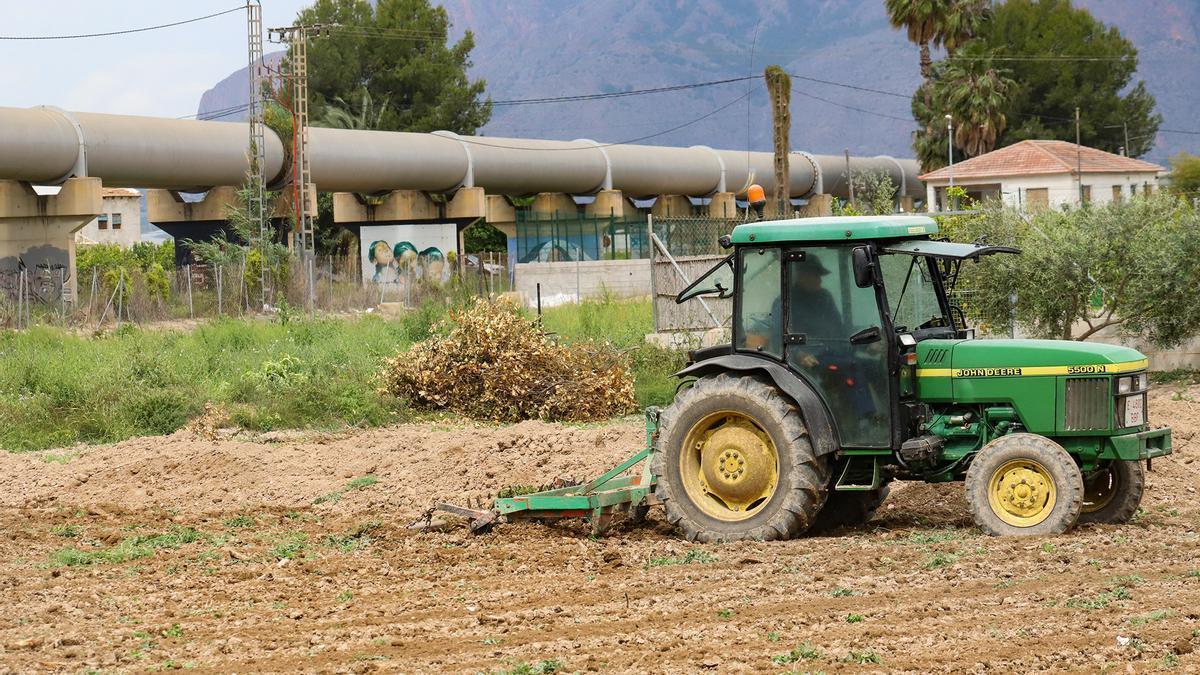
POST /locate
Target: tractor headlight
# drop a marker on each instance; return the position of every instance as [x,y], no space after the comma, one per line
[1141,382]
[1124,385]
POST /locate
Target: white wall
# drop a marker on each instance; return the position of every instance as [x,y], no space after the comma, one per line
[1062,188]
[566,281]
[130,210]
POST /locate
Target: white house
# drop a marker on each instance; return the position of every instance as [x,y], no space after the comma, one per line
[120,223]
[1041,174]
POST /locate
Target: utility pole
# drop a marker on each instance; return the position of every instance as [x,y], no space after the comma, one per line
[779,86]
[256,204]
[1078,157]
[296,37]
[1125,125]
[950,146]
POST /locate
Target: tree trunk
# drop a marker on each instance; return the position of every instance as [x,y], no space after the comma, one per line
[926,61]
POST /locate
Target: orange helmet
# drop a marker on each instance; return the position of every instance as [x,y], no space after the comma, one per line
[755,194]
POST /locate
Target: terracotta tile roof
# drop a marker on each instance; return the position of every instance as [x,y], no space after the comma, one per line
[1041,157]
[119,192]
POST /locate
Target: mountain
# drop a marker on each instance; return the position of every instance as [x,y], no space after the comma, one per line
[536,48]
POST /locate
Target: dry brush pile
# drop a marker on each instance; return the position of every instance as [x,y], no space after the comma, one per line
[490,362]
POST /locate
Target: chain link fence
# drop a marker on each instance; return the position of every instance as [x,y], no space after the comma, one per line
[320,284]
[684,249]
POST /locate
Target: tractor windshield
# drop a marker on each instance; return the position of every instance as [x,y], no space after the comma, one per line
[912,294]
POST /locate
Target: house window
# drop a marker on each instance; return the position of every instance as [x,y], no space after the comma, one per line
[1037,198]
[1085,193]
[102,220]
[116,221]
[1116,194]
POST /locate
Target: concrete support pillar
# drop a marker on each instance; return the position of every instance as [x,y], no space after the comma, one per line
[37,232]
[931,197]
[723,205]
[609,203]
[550,203]
[469,203]
[396,205]
[202,220]
[668,206]
[906,204]
[817,206]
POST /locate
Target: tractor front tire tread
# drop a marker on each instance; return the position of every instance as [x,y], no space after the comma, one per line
[802,475]
[1068,483]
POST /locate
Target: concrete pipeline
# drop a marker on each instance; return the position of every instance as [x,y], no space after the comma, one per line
[47,145]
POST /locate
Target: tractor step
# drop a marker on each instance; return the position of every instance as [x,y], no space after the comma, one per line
[859,474]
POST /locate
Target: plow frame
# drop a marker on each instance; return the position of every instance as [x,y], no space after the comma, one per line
[596,500]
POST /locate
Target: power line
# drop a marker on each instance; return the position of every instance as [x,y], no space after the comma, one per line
[621,94]
[120,32]
[851,86]
[605,145]
[850,107]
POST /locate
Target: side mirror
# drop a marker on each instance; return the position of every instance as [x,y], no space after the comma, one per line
[864,271]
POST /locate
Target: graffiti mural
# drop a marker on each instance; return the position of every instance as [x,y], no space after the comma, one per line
[48,269]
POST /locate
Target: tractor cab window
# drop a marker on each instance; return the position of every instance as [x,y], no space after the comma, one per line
[759,322]
[717,281]
[912,296]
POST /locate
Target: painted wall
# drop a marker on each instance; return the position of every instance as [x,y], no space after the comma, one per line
[398,254]
[128,210]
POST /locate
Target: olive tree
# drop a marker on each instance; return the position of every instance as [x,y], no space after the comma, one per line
[1130,266]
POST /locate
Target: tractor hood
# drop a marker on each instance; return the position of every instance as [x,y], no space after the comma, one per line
[974,358]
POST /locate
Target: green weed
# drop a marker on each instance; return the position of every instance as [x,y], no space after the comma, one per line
[543,667]
[862,658]
[803,651]
[841,592]
[291,546]
[854,618]
[356,484]
[940,560]
[695,555]
[66,531]
[240,521]
[130,548]
[725,613]
[1156,615]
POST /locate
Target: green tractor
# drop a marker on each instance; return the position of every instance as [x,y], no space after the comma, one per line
[850,367]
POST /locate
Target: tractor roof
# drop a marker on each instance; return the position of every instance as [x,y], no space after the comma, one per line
[834,228]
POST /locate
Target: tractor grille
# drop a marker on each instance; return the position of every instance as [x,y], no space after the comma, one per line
[1087,403]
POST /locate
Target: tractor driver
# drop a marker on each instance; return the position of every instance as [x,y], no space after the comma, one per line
[826,352]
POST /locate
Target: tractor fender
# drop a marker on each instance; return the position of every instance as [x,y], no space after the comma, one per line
[816,416]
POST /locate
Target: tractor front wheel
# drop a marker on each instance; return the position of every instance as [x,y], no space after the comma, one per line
[1024,484]
[734,462]
[1112,493]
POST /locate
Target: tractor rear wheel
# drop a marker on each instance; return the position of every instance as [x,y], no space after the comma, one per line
[1112,493]
[848,509]
[734,462]
[1024,484]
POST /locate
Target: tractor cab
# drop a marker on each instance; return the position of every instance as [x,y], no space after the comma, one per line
[842,302]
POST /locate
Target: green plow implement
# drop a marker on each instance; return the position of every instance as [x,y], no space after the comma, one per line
[597,500]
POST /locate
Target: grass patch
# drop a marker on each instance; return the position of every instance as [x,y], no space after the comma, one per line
[66,531]
[130,548]
[290,546]
[938,560]
[240,521]
[358,538]
[855,618]
[862,658]
[357,484]
[543,667]
[695,555]
[58,388]
[1156,615]
[1098,601]
[842,592]
[801,652]
[927,537]
[516,491]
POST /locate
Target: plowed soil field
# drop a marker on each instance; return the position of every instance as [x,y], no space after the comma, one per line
[284,553]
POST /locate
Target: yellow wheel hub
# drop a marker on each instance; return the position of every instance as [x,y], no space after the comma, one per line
[729,465]
[1100,489]
[1022,493]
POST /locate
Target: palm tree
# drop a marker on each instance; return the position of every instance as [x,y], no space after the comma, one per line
[942,23]
[976,93]
[922,19]
[340,115]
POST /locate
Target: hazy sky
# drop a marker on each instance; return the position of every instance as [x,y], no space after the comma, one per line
[160,72]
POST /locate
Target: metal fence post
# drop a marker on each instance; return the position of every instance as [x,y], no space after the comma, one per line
[191,308]
[220,295]
[653,270]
